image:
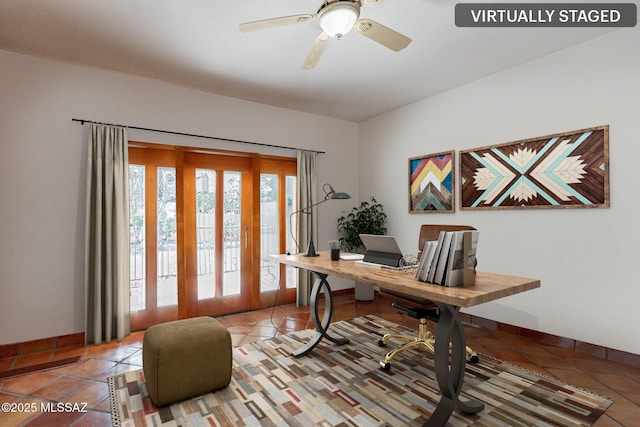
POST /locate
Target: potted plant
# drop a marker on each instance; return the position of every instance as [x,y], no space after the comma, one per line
[368,218]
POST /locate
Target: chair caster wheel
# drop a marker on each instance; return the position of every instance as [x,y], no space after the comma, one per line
[382,343]
[474,359]
[385,366]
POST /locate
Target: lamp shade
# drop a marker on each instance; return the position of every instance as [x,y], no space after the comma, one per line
[340,196]
[338,18]
[330,193]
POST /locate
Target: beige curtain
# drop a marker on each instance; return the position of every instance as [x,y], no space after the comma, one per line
[307,224]
[107,236]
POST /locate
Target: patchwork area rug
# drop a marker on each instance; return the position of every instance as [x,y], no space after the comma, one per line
[343,385]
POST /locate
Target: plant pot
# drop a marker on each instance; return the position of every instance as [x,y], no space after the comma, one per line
[364,292]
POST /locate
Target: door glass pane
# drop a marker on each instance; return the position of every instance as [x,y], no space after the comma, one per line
[269,232]
[233,237]
[167,287]
[137,279]
[205,232]
[292,228]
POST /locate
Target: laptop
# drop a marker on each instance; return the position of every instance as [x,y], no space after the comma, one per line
[381,250]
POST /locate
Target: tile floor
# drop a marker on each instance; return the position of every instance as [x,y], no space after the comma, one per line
[85,382]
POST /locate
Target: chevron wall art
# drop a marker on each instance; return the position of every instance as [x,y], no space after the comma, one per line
[431,183]
[567,170]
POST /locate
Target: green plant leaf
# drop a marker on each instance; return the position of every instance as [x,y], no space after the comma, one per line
[367,218]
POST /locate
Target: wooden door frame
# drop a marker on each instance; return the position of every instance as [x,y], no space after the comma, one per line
[153,158]
[192,306]
[282,167]
[161,155]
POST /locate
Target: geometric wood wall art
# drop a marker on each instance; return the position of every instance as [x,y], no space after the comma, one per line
[566,170]
[431,183]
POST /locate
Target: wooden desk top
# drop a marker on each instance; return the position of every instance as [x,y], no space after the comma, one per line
[488,286]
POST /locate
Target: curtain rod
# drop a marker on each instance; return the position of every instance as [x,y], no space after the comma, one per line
[82,121]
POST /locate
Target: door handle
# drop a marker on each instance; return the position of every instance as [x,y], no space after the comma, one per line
[246,237]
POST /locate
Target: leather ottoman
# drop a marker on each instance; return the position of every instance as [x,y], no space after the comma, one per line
[186,358]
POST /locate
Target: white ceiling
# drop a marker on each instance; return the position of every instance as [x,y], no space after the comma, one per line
[197,44]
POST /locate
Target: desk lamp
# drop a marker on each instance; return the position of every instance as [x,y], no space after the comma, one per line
[329,194]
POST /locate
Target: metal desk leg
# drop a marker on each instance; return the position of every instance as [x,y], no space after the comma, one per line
[321,326]
[449,363]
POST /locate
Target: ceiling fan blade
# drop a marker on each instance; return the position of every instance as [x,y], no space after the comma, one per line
[381,34]
[274,22]
[317,49]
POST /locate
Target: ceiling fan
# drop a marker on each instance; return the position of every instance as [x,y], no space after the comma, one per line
[336,18]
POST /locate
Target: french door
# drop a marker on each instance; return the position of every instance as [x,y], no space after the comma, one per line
[153,268]
[219,233]
[202,227]
[278,201]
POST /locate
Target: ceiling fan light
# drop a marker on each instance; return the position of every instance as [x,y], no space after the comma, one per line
[338,18]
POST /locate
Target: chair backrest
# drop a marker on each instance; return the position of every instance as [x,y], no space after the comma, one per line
[432,232]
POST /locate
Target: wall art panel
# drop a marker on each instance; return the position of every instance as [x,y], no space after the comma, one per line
[566,170]
[431,183]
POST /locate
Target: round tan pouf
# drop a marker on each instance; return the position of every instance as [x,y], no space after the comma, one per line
[186,358]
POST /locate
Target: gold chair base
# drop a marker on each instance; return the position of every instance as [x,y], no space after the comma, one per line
[425,340]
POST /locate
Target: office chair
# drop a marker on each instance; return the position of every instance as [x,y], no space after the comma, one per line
[419,308]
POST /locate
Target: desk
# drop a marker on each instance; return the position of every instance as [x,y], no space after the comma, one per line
[450,354]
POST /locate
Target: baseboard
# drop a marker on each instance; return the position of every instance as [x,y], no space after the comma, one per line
[556,341]
[38,367]
[594,350]
[44,344]
[348,291]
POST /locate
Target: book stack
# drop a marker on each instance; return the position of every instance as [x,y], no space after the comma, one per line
[451,260]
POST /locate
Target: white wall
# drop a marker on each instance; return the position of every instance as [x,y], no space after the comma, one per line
[42,171]
[586,258]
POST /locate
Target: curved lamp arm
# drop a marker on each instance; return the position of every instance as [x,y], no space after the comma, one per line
[329,194]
